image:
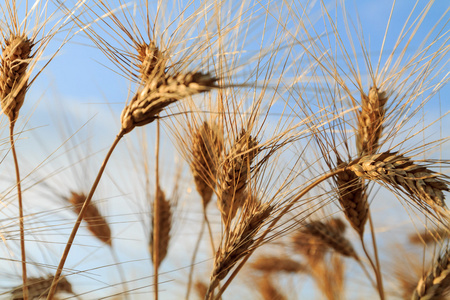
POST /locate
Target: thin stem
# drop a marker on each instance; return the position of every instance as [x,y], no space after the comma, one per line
[80,217]
[363,267]
[194,255]
[156,206]
[19,196]
[211,238]
[372,265]
[377,261]
[121,272]
[269,229]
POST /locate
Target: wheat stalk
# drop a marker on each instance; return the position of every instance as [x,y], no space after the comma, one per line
[233,175]
[437,281]
[401,173]
[16,54]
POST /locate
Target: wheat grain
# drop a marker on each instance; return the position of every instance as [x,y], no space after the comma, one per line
[165,224]
[97,224]
[234,174]
[401,172]
[16,53]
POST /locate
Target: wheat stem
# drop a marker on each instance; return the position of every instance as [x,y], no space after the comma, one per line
[271,226]
[80,216]
[21,225]
[374,267]
[156,215]
[377,260]
[194,256]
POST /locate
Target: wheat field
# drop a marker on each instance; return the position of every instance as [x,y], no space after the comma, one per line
[194,149]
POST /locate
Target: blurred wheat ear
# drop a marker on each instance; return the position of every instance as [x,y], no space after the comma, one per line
[164,212]
[97,224]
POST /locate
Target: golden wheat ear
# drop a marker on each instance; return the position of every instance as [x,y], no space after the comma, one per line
[16,54]
[436,283]
[352,198]
[402,173]
[159,93]
[206,148]
[96,223]
[370,121]
[151,61]
[239,243]
[233,175]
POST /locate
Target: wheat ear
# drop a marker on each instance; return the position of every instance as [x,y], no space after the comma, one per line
[370,121]
[401,173]
[97,224]
[165,222]
[38,287]
[273,264]
[206,148]
[151,61]
[16,53]
[330,235]
[268,289]
[159,92]
[352,198]
[238,243]
[234,174]
[437,281]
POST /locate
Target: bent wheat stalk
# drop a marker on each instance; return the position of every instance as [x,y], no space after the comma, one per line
[143,109]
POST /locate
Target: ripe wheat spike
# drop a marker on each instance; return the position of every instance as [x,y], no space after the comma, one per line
[401,173]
